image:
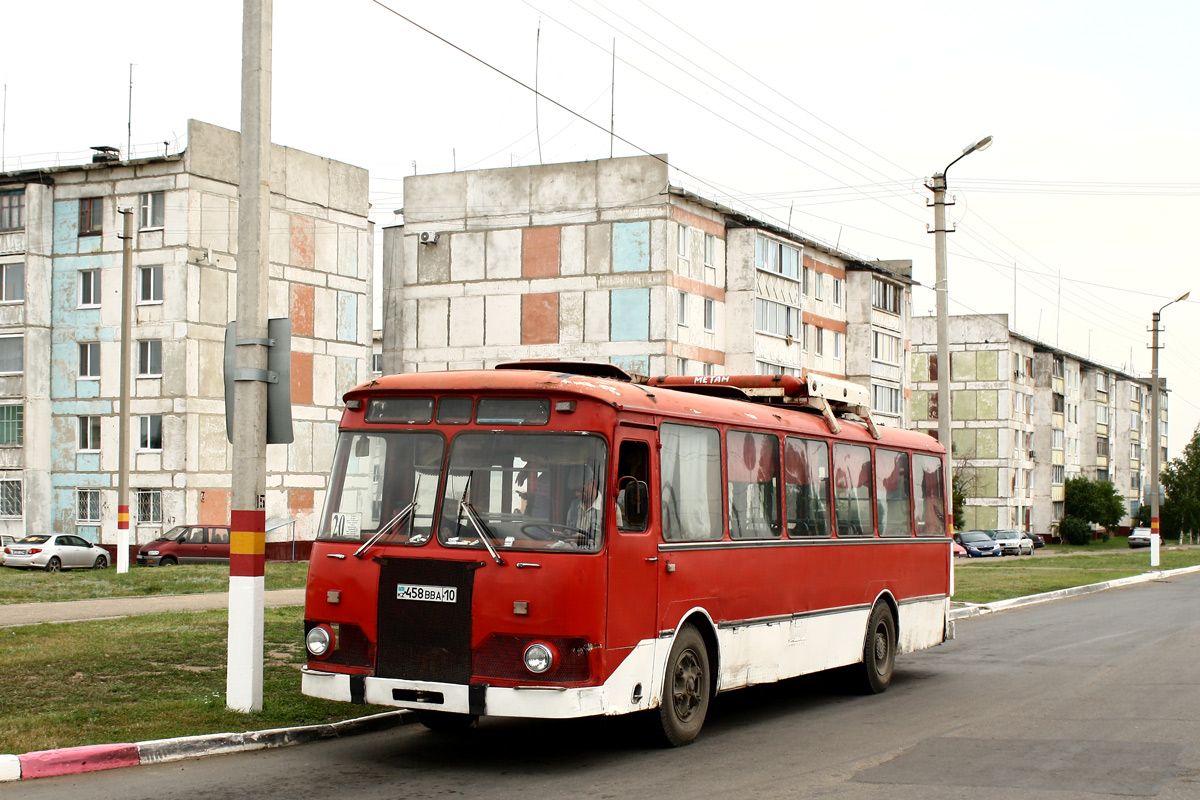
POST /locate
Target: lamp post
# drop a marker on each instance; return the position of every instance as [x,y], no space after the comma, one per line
[938,186]
[1155,447]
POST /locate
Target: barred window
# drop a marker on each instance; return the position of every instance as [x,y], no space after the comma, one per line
[10,498]
[12,426]
[149,505]
[87,504]
[12,211]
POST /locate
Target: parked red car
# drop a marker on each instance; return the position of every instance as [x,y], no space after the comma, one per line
[187,544]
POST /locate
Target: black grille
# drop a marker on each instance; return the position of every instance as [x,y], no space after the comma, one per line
[421,640]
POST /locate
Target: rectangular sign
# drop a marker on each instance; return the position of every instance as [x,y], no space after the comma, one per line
[431,594]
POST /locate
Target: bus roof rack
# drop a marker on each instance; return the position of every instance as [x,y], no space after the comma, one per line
[829,396]
[589,369]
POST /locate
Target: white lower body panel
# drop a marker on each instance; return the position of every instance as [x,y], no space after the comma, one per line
[750,653]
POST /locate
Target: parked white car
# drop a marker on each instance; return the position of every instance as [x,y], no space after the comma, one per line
[55,552]
[1013,543]
[1139,537]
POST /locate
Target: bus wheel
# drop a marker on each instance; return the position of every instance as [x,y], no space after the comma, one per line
[686,689]
[445,721]
[879,650]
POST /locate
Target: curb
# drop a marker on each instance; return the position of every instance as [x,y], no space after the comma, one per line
[975,610]
[93,758]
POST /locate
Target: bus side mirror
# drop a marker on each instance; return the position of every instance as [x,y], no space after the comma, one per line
[636,503]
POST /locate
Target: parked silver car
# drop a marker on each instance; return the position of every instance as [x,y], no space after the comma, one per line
[1013,542]
[54,552]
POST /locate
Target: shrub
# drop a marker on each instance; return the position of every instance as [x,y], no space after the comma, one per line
[1074,530]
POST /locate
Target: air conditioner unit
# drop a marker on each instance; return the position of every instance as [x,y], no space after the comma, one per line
[428,237]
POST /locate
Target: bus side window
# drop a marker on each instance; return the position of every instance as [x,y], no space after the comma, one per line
[852,490]
[632,497]
[806,466]
[752,467]
[891,493]
[929,495]
[690,480]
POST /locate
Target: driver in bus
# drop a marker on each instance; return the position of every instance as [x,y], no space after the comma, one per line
[586,510]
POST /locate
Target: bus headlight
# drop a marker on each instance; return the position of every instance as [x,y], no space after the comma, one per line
[319,641]
[539,658]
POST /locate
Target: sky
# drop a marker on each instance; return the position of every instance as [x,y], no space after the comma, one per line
[1081,217]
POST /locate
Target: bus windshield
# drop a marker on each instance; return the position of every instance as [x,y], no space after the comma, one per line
[375,477]
[525,491]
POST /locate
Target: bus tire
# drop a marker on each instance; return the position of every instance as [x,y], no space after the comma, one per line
[445,721]
[879,650]
[687,687]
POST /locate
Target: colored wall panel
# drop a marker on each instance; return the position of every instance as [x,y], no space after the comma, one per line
[539,318]
[629,317]
[540,252]
[631,247]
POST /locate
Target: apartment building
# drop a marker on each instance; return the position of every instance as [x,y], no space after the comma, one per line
[1025,416]
[60,333]
[608,261]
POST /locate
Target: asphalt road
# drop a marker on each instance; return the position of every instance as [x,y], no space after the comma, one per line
[1087,697]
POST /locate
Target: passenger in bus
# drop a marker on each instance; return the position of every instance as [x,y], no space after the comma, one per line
[535,496]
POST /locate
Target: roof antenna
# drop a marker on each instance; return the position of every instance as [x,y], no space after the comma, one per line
[129,119]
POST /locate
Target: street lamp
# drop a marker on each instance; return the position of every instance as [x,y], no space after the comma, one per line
[938,186]
[1155,447]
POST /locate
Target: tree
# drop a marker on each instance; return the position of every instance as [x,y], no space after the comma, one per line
[959,490]
[1096,502]
[1180,509]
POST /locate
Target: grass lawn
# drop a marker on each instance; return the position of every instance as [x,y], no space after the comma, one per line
[146,677]
[32,586]
[989,579]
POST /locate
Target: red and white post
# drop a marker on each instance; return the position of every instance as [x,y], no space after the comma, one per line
[244,678]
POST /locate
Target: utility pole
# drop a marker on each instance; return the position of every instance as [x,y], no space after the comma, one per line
[938,186]
[1155,446]
[244,678]
[126,368]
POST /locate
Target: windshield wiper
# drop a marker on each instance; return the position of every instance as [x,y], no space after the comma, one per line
[405,515]
[478,524]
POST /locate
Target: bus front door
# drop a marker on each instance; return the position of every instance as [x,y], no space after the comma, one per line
[633,561]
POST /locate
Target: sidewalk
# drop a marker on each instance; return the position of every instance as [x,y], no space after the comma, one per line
[17,614]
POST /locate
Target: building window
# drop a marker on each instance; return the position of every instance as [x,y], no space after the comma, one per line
[805,329]
[151,279]
[767,368]
[806,286]
[776,318]
[377,363]
[818,285]
[683,241]
[1101,415]
[1057,366]
[683,303]
[1056,439]
[710,313]
[838,287]
[150,432]
[89,288]
[91,213]
[12,426]
[772,256]
[885,296]
[1060,403]
[707,369]
[885,399]
[710,250]
[12,211]
[838,336]
[12,355]
[89,360]
[10,498]
[1058,474]
[886,348]
[152,210]
[150,358]
[87,505]
[819,340]
[149,505]
[12,283]
[89,434]
[683,366]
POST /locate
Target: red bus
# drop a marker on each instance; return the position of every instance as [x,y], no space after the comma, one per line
[558,540]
